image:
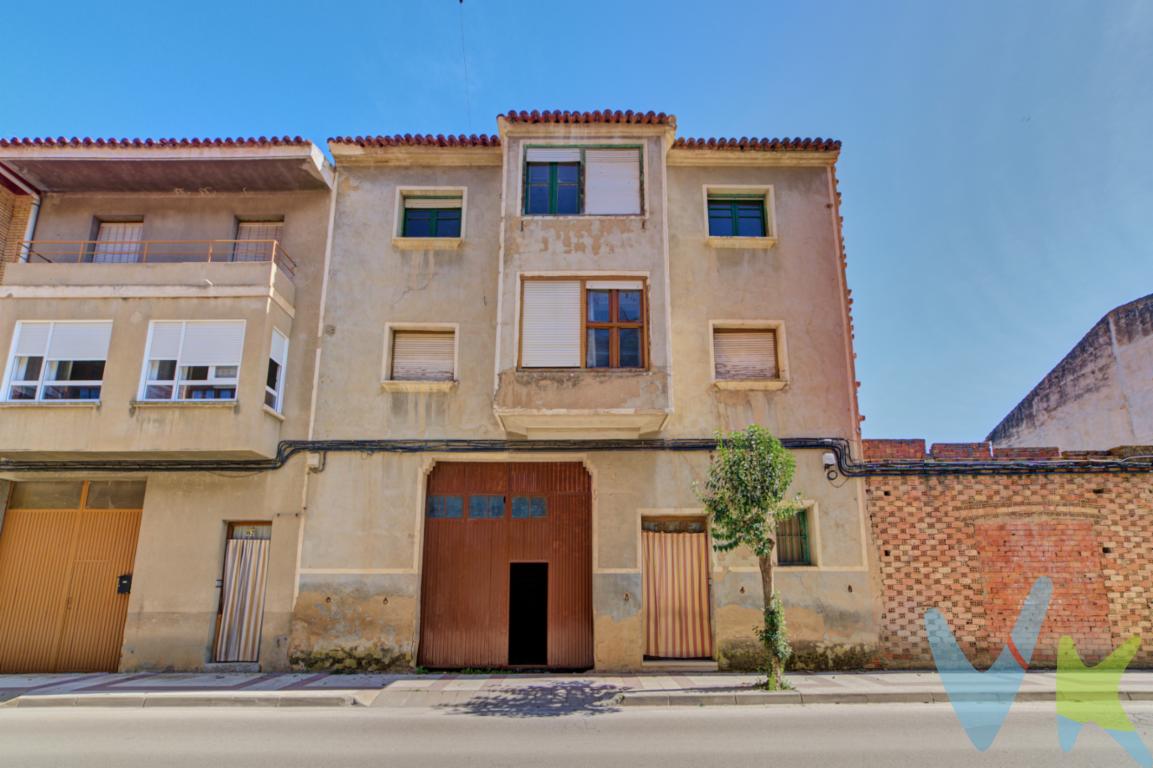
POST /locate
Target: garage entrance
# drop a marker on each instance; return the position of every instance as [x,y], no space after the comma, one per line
[507,572]
[66,556]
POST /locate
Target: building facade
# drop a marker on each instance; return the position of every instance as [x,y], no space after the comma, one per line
[1099,396]
[443,403]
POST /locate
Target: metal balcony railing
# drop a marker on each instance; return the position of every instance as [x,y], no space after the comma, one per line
[157,252]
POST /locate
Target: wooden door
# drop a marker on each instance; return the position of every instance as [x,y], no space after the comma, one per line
[60,608]
[481,518]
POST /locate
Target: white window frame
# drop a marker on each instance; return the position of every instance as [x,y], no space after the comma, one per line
[724,241]
[278,392]
[176,383]
[388,383]
[782,379]
[46,361]
[640,145]
[428,243]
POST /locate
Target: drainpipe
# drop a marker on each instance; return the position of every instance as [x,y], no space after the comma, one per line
[33,217]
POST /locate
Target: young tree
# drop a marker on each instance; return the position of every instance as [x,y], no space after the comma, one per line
[745,497]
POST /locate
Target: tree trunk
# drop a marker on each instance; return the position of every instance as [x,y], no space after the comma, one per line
[774,663]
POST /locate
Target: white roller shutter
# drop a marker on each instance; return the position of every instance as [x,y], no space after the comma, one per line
[744,355]
[432,202]
[610,285]
[214,342]
[423,355]
[553,155]
[165,341]
[551,324]
[279,350]
[612,181]
[79,341]
[32,339]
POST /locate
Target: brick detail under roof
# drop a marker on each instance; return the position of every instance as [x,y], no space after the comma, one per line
[261,141]
[896,450]
[566,117]
[419,140]
[760,145]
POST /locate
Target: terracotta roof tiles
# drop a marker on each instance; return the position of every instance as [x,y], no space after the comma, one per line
[262,141]
[418,140]
[760,145]
[627,117]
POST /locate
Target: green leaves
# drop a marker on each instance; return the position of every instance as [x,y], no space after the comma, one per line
[745,490]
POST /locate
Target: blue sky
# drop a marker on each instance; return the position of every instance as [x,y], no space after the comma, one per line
[997,166]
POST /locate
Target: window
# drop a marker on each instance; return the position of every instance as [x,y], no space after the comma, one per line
[274,380]
[422,355]
[574,180]
[737,216]
[118,242]
[57,361]
[432,216]
[793,540]
[485,507]
[445,507]
[746,354]
[526,507]
[194,360]
[257,240]
[575,323]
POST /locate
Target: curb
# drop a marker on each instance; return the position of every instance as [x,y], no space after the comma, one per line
[664,699]
[150,700]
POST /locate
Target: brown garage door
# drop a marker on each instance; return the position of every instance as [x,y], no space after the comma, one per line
[507,570]
[63,548]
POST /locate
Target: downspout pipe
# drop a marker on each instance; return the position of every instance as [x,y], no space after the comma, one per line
[33,216]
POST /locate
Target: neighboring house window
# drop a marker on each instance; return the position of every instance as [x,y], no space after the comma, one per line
[57,361]
[746,354]
[118,242]
[422,355]
[432,215]
[574,180]
[793,540]
[257,240]
[575,323]
[193,360]
[732,216]
[274,380]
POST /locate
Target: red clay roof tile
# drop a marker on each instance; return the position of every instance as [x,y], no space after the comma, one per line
[61,141]
[418,140]
[627,117]
[760,145]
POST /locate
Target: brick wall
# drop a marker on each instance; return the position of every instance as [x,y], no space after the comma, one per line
[14,213]
[972,546]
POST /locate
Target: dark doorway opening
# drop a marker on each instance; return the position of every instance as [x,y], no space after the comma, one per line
[528,614]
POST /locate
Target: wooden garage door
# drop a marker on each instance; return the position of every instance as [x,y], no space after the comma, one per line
[60,563]
[481,518]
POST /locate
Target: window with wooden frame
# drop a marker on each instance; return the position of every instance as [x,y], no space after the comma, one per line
[745,354]
[592,323]
[422,355]
[793,546]
[571,181]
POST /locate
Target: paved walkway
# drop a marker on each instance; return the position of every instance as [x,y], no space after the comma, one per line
[496,693]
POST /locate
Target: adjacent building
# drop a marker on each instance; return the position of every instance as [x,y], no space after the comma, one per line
[442,402]
[1099,396]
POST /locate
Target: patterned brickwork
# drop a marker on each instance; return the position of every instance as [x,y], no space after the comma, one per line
[14,213]
[972,545]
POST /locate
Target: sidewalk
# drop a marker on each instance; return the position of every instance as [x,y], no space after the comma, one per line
[502,694]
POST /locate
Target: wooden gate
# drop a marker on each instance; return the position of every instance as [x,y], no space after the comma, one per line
[479,519]
[62,604]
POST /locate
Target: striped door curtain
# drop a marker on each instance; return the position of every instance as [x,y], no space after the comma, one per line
[676,586]
[245,573]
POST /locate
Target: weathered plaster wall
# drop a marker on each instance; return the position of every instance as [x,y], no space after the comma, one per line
[1099,396]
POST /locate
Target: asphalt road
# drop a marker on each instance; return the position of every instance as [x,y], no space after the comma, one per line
[827,736]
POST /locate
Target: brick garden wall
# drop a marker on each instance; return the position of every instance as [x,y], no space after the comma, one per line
[972,546]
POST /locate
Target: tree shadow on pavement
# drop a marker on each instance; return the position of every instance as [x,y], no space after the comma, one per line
[552,700]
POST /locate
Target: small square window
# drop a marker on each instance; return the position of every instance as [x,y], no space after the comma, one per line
[793,540]
[445,507]
[526,507]
[485,507]
[745,354]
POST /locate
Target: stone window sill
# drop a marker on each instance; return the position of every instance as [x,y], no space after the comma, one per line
[49,403]
[427,243]
[756,243]
[766,384]
[273,413]
[152,404]
[396,385]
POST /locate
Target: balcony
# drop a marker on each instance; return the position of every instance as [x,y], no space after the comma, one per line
[202,264]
